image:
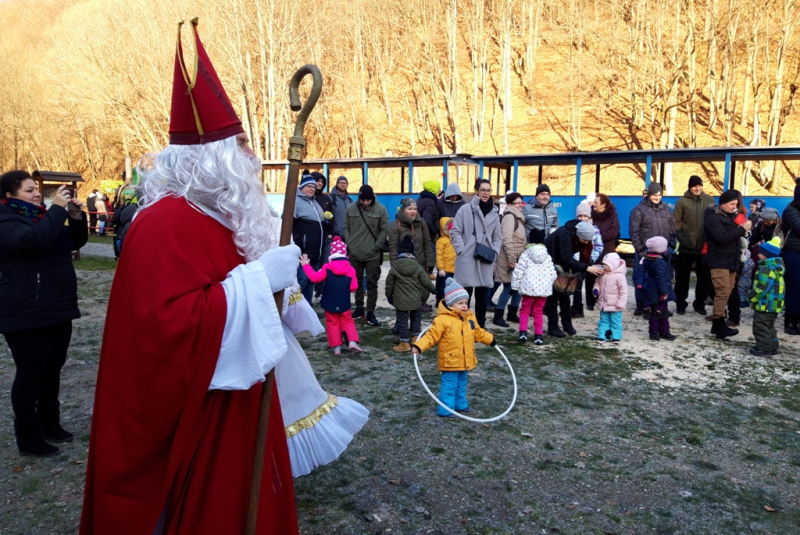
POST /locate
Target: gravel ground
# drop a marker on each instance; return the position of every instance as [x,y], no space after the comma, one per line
[690,437]
[98,249]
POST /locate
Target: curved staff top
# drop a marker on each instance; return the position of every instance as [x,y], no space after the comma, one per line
[451,411]
[295,156]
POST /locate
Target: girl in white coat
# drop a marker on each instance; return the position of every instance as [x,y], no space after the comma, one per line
[533,278]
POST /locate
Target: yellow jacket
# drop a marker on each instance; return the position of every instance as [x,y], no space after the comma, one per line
[445,254]
[456,337]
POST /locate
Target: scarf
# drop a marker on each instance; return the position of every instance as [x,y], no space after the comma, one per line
[62,243]
[31,211]
[486,207]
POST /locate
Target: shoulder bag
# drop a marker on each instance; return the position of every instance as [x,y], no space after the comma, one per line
[483,253]
[385,245]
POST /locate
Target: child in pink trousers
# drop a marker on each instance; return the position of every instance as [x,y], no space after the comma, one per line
[533,277]
[340,282]
[611,291]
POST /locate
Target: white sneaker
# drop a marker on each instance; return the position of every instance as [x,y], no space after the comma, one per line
[354,348]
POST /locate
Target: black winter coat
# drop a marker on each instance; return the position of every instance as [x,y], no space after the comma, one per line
[722,236]
[429,212]
[791,222]
[324,201]
[447,208]
[562,245]
[38,286]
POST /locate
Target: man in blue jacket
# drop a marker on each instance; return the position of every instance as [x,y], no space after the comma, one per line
[307,231]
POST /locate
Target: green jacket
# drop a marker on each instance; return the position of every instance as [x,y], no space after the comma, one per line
[689,215]
[768,290]
[406,283]
[361,245]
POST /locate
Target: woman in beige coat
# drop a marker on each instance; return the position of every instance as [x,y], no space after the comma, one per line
[512,227]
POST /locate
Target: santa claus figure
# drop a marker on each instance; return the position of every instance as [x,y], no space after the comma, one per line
[192,328]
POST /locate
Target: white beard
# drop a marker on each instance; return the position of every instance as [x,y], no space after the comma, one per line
[221,177]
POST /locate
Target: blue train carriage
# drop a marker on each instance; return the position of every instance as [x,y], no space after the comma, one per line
[504,173]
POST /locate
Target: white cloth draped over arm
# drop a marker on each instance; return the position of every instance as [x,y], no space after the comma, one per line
[253,341]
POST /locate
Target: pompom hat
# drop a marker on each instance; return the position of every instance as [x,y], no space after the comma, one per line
[656,244]
[406,245]
[453,292]
[772,248]
[338,248]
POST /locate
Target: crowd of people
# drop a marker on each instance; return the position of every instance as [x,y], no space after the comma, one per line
[547,269]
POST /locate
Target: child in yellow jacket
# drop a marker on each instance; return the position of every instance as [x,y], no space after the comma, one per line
[456,330]
[445,256]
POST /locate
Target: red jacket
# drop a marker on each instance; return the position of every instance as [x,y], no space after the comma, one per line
[158,435]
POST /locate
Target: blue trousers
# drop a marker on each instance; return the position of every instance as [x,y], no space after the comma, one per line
[453,392]
[610,321]
[505,295]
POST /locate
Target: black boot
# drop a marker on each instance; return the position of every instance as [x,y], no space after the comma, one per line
[498,318]
[30,442]
[790,324]
[555,331]
[721,330]
[639,309]
[512,314]
[55,433]
[568,328]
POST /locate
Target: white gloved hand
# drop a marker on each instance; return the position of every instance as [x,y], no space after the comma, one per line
[280,265]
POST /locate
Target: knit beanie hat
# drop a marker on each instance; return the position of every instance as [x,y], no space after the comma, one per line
[308,180]
[654,188]
[431,186]
[584,230]
[541,188]
[772,248]
[342,179]
[656,244]
[584,209]
[338,248]
[769,214]
[453,292]
[406,245]
[366,193]
[728,196]
[695,180]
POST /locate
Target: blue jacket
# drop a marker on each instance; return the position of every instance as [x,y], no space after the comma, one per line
[657,280]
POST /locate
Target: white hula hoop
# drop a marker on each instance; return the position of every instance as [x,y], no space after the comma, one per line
[445,407]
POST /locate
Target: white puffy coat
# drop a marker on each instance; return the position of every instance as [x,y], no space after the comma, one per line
[535,272]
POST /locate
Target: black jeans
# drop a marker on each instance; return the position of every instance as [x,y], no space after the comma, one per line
[372,268]
[683,272]
[551,306]
[402,323]
[39,355]
[481,298]
[577,300]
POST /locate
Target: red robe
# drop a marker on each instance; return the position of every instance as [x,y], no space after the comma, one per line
[158,434]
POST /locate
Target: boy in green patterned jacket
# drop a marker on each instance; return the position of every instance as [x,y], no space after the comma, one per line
[766,297]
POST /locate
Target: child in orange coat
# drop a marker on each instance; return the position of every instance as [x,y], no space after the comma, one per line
[445,256]
[455,329]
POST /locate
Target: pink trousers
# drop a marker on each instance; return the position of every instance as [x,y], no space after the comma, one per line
[532,306]
[335,323]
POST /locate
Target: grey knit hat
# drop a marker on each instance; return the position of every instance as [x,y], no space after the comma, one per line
[584,230]
[405,203]
[654,188]
[769,214]
[453,292]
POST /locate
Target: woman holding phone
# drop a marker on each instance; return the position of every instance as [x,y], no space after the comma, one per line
[38,301]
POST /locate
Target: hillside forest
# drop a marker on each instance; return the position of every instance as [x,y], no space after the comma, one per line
[85,83]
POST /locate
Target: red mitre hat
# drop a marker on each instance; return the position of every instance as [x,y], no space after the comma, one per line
[201,110]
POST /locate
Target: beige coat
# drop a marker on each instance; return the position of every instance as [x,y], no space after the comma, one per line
[512,227]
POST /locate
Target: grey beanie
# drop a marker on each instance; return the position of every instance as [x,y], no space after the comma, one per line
[769,214]
[654,188]
[584,230]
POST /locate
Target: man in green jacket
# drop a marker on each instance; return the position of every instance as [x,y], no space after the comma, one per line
[366,226]
[689,213]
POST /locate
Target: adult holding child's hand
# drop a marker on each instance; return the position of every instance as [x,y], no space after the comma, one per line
[38,301]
